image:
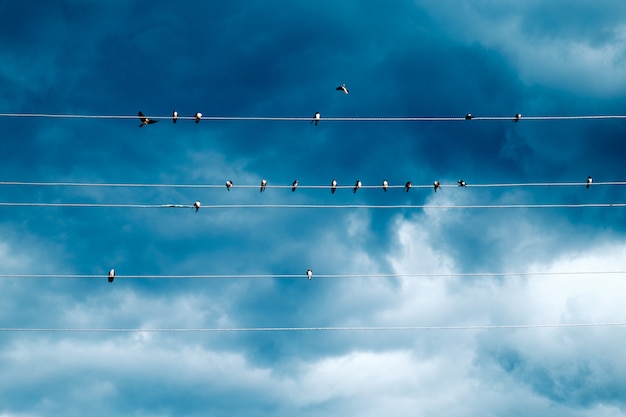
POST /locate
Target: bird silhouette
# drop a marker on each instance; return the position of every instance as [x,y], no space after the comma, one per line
[469,116]
[198,116]
[229,184]
[309,274]
[462,183]
[589,181]
[174,116]
[111,275]
[196,205]
[263,184]
[294,185]
[385,185]
[316,118]
[343,88]
[333,186]
[436,185]
[356,186]
[145,120]
[407,186]
[517,117]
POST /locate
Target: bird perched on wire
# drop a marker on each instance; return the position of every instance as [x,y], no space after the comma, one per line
[517,117]
[589,181]
[229,184]
[407,186]
[145,120]
[436,185]
[263,184]
[356,186]
[385,185]
[198,116]
[462,183]
[469,116]
[294,185]
[333,186]
[196,205]
[343,88]
[111,275]
[309,274]
[316,118]
[174,116]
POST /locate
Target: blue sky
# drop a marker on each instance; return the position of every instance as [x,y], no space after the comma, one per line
[284,59]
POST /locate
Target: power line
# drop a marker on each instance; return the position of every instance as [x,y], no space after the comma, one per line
[316,329]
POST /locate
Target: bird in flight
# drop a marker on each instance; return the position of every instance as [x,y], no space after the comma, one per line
[333,186]
[111,275]
[145,120]
[343,88]
[316,118]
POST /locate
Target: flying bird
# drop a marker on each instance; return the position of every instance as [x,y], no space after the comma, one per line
[174,116]
[196,205]
[263,184]
[589,181]
[145,120]
[229,184]
[294,185]
[517,118]
[198,116]
[309,274]
[111,275]
[356,186]
[462,183]
[407,186]
[385,185]
[333,186]
[469,116]
[436,185]
[343,88]
[316,118]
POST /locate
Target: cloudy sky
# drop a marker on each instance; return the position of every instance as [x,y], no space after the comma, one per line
[284,59]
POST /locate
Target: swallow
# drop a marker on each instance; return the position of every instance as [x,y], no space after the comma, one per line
[196,205]
[462,183]
[517,117]
[469,116]
[356,186]
[343,88]
[436,185]
[333,186]
[263,184]
[229,184]
[385,185]
[198,116]
[111,275]
[589,181]
[316,118]
[407,186]
[174,116]
[145,120]
[294,185]
[309,274]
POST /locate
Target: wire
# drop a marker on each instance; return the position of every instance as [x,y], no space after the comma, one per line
[317,329]
[318,276]
[309,118]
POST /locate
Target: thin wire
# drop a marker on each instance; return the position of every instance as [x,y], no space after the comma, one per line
[320,276]
[317,329]
[336,119]
[316,206]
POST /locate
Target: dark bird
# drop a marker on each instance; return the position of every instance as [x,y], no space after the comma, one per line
[469,116]
[145,120]
[462,183]
[229,184]
[309,274]
[294,185]
[263,184]
[356,186]
[196,205]
[316,118]
[174,116]
[407,186]
[333,186]
[385,185]
[343,88]
[111,275]
[589,181]
[517,117]
[436,184]
[198,116]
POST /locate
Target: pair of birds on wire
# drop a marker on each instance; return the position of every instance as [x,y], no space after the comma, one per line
[111,277]
[516,118]
[148,121]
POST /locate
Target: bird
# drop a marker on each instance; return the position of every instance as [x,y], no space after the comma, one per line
[196,205]
[294,185]
[469,116]
[436,184]
[589,181]
[263,184]
[356,186]
[309,274]
[517,118]
[407,186]
[174,116]
[343,88]
[462,183]
[385,185]
[111,275]
[316,118]
[145,120]
[229,184]
[198,116]
[333,186]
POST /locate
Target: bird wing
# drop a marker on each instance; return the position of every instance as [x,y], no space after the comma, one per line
[141,117]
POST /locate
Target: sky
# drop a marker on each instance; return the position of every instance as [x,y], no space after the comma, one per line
[284,59]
